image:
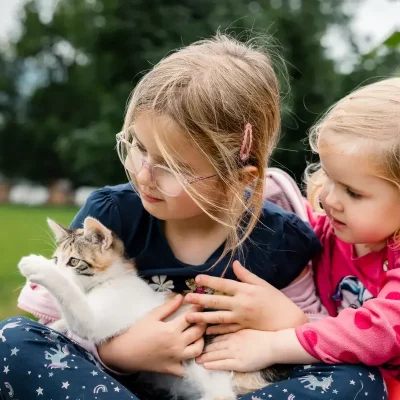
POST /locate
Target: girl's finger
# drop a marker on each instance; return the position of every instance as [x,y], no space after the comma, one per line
[221,338]
[193,333]
[246,276]
[211,317]
[181,322]
[216,355]
[223,285]
[211,301]
[229,364]
[193,350]
[223,329]
[215,346]
[165,310]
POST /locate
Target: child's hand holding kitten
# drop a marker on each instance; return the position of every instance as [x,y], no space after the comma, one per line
[250,304]
[153,345]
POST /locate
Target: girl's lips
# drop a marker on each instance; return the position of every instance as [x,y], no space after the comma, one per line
[337,224]
[150,199]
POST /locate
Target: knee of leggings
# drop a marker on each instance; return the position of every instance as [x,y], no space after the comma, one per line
[11,327]
[16,321]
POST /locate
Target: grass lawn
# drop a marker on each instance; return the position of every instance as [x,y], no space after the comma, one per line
[23,230]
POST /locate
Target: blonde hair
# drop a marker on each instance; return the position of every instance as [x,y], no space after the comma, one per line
[370,113]
[211,89]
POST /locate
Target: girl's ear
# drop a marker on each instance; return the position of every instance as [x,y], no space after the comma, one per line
[248,174]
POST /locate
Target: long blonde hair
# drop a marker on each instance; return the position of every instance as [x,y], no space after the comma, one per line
[211,89]
[370,113]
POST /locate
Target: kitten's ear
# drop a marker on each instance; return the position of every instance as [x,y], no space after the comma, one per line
[60,233]
[92,225]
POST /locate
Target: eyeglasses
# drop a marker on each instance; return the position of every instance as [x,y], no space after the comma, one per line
[162,177]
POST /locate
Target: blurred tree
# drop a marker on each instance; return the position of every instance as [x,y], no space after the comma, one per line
[64,91]
[381,62]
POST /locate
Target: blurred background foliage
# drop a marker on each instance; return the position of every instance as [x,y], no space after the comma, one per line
[65,81]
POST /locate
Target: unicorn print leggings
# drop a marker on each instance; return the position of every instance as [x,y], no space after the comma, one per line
[39,363]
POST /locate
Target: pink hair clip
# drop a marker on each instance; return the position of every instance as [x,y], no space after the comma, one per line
[247,142]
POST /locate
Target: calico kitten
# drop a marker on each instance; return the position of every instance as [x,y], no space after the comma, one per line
[100,296]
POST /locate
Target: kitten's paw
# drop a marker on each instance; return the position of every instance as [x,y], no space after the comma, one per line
[35,268]
[59,326]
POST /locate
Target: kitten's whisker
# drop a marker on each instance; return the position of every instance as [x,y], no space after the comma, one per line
[19,288]
[50,237]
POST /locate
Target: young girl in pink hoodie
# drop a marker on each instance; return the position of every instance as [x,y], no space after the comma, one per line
[358,273]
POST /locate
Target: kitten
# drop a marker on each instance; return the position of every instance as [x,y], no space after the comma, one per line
[100,296]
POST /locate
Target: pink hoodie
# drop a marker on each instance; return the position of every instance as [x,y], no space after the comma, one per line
[362,295]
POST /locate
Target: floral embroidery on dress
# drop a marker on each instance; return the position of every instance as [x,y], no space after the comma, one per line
[160,283]
[194,288]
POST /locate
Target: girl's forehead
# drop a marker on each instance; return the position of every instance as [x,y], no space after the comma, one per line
[160,131]
[332,142]
[348,145]
[348,151]
[152,129]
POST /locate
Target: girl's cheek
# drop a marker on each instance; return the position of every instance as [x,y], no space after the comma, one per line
[185,203]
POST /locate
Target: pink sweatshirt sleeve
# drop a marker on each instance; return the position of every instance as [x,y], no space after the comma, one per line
[303,293]
[369,335]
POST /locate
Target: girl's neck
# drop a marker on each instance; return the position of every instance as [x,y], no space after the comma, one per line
[363,249]
[194,240]
[194,225]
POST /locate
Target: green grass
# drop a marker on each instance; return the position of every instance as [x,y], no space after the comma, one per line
[23,230]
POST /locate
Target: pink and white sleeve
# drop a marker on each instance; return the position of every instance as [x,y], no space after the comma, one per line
[369,335]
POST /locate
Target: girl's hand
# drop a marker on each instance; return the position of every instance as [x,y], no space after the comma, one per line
[249,350]
[244,351]
[250,304]
[153,345]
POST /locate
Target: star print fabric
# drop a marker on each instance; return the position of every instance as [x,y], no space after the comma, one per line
[39,363]
[323,381]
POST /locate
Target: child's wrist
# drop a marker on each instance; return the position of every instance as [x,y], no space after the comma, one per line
[286,349]
[111,356]
[278,349]
[114,369]
[107,356]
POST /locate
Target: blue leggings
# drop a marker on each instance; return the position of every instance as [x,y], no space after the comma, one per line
[39,363]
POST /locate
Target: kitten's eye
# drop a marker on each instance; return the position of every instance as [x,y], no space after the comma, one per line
[73,262]
[84,264]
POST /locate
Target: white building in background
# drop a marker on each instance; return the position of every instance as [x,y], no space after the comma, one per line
[28,194]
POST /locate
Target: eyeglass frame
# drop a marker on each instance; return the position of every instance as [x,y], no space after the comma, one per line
[151,167]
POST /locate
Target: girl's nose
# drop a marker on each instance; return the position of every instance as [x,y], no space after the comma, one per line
[332,200]
[144,175]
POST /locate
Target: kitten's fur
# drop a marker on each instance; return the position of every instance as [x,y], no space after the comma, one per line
[100,296]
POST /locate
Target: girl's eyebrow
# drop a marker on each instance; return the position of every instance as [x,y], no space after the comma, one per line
[181,163]
[344,184]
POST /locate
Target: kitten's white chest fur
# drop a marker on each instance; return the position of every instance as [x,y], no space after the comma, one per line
[100,307]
